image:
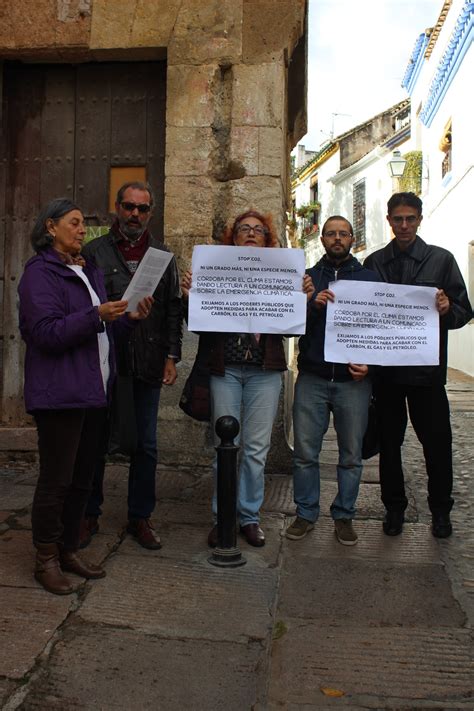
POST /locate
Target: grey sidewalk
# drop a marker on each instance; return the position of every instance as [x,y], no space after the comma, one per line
[386,624]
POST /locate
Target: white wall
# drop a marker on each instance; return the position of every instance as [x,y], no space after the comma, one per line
[378,188]
[447,202]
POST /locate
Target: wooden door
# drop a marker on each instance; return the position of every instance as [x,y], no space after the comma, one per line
[65,130]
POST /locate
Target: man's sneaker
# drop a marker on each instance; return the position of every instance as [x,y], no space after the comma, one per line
[299,528]
[345,533]
[393,524]
[144,532]
[441,525]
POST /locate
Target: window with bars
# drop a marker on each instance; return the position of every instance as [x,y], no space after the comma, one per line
[314,199]
[445,145]
[358,212]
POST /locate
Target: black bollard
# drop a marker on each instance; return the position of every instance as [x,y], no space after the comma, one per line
[227,553]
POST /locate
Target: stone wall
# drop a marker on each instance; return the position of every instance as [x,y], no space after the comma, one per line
[236,103]
[228,135]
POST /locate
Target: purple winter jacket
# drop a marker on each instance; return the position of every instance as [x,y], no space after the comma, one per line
[59,326]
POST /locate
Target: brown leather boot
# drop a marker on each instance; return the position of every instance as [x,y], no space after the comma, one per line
[144,532]
[73,564]
[47,570]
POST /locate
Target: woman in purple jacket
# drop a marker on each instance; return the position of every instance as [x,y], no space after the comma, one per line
[65,321]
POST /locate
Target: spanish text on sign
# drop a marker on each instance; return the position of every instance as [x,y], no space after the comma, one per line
[247,290]
[382,324]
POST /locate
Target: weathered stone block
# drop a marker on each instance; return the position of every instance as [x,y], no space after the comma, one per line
[188,150]
[111,23]
[7,38]
[46,23]
[132,23]
[31,609]
[190,100]
[35,28]
[271,151]
[73,23]
[244,148]
[124,669]
[206,32]
[185,253]
[269,27]
[6,689]
[153,22]
[258,95]
[262,193]
[188,207]
[18,438]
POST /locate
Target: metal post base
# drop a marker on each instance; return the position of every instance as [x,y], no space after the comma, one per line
[227,558]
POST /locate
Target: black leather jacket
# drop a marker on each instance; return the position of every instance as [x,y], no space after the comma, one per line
[143,355]
[424,265]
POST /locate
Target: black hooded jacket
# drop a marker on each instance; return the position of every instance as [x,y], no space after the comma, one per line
[311,345]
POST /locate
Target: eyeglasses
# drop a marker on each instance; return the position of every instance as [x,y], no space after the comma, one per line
[256,229]
[131,206]
[334,233]
[399,220]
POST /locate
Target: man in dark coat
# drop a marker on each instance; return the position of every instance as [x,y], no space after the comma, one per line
[149,355]
[409,260]
[322,387]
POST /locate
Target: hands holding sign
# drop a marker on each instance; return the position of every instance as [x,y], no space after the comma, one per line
[247,290]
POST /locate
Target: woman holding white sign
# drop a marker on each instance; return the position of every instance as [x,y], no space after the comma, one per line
[245,382]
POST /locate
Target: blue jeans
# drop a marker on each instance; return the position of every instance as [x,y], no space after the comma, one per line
[141,476]
[315,397]
[251,395]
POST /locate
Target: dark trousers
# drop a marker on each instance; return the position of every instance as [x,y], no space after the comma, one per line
[429,414]
[141,478]
[67,443]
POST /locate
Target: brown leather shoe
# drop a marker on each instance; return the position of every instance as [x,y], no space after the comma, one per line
[73,564]
[47,570]
[212,537]
[89,527]
[142,529]
[253,534]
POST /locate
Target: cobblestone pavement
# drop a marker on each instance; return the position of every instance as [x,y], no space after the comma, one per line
[386,624]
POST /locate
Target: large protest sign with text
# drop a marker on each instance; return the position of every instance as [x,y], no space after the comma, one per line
[382,324]
[247,290]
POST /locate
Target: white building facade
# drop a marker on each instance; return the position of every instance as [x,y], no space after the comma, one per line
[350,177]
[439,79]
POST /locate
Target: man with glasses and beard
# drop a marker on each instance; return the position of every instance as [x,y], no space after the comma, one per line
[149,355]
[407,259]
[322,388]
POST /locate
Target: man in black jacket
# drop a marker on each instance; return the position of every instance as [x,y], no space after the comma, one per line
[409,260]
[321,388]
[149,355]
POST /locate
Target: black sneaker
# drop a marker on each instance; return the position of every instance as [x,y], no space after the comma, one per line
[393,524]
[441,525]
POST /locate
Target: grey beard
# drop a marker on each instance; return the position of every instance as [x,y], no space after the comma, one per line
[131,234]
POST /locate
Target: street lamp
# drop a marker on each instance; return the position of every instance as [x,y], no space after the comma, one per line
[397,165]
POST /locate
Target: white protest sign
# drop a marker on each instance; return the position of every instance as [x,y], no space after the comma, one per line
[247,290]
[382,324]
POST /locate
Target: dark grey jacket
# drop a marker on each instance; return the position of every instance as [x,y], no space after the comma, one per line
[143,354]
[424,265]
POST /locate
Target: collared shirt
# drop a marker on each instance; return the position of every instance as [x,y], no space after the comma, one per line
[132,252]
